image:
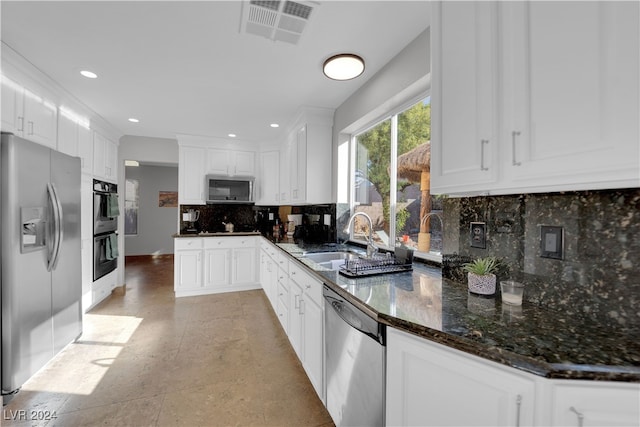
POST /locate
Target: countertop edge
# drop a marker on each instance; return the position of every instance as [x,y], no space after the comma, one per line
[219,234]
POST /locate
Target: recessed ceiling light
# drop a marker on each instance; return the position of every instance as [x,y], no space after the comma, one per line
[133,163]
[133,120]
[89,74]
[232,135]
[274,125]
[345,66]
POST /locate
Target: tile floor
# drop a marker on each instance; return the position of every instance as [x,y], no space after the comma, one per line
[148,359]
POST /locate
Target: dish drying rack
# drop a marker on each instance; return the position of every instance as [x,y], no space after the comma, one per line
[378,264]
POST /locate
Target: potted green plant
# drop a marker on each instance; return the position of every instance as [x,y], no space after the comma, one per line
[481,276]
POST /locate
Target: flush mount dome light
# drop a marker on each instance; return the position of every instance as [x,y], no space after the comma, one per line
[345,66]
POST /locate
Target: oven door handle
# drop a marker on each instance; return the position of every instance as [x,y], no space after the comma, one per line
[58,233]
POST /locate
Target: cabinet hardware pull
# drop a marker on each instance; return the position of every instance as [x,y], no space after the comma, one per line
[514,135]
[30,126]
[580,416]
[296,302]
[482,142]
[21,119]
[301,310]
[518,406]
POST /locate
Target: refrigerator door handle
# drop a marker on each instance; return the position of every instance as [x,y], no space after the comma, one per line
[57,226]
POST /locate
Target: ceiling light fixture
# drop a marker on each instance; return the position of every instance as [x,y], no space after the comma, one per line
[134,120]
[133,163]
[232,135]
[345,66]
[89,74]
[274,125]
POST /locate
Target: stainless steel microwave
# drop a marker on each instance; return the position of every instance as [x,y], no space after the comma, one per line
[224,189]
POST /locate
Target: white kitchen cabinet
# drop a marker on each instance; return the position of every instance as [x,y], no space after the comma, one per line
[75,139]
[191,175]
[269,178]
[309,160]
[464,103]
[105,158]
[591,403]
[571,101]
[306,324]
[29,112]
[231,162]
[567,113]
[188,266]
[433,385]
[286,163]
[208,265]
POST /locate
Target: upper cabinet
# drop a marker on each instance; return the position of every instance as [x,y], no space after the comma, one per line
[268,183]
[564,113]
[231,162]
[29,112]
[75,138]
[105,158]
[309,153]
[191,175]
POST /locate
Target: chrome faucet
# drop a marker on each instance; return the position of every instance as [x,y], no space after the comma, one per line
[371,248]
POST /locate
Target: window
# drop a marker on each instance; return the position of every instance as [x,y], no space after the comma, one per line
[390,178]
[131,207]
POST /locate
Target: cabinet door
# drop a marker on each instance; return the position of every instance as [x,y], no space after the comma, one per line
[464,108]
[217,267]
[269,182]
[571,105]
[295,317]
[297,165]
[243,271]
[99,155]
[285,179]
[424,378]
[12,106]
[85,149]
[218,161]
[67,135]
[191,173]
[41,119]
[244,163]
[313,343]
[111,161]
[188,274]
[592,403]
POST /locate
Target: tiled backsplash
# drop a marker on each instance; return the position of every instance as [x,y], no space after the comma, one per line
[599,275]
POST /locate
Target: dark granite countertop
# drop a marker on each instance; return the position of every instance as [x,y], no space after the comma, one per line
[548,343]
[219,234]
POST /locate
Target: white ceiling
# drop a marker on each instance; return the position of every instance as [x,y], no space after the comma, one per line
[185,67]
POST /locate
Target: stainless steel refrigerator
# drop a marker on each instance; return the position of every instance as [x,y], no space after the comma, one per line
[41,276]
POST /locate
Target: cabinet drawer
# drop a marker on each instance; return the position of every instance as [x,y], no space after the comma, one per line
[283,294]
[228,242]
[188,243]
[282,262]
[311,286]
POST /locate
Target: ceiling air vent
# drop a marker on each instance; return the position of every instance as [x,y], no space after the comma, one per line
[276,20]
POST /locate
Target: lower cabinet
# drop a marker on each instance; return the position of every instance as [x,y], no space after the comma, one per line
[424,379]
[306,324]
[592,403]
[207,265]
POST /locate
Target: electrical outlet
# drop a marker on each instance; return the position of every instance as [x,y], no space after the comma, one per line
[478,235]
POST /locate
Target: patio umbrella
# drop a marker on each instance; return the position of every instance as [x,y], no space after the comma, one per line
[414,166]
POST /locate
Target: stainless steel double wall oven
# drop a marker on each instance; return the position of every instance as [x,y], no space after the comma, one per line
[105,227]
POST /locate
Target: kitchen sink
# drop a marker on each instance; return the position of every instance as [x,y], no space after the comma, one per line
[330,260]
[322,257]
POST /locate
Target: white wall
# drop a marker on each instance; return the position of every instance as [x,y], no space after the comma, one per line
[402,82]
[161,151]
[155,224]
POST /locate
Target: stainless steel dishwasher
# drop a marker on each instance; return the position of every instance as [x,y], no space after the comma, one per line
[355,363]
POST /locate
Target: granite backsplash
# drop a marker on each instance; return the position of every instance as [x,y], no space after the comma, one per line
[246,217]
[599,273]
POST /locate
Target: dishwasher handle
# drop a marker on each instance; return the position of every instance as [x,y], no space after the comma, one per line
[345,311]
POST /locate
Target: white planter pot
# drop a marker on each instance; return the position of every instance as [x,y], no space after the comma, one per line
[482,284]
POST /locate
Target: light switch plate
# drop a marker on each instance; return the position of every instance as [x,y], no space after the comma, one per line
[551,242]
[478,235]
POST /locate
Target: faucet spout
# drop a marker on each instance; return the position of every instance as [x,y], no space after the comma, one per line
[371,248]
